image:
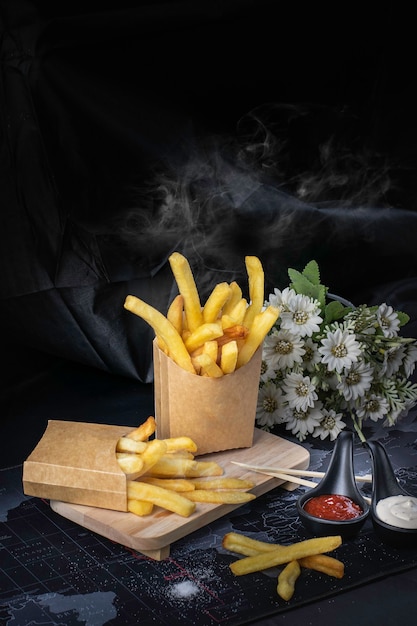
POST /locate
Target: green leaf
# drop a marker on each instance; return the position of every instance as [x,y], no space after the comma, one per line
[403,318]
[312,272]
[334,311]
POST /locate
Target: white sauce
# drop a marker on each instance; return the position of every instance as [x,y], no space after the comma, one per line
[399,511]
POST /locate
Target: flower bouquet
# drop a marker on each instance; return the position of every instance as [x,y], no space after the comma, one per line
[326,361]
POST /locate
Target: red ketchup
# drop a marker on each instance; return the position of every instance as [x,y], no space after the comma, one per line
[333,507]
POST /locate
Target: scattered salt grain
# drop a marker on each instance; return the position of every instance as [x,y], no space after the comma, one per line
[185,589]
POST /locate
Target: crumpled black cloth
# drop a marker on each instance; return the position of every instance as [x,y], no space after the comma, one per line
[94,102]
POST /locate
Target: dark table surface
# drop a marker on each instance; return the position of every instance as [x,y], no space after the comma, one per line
[55,572]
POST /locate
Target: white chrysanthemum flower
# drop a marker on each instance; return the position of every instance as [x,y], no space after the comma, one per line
[393,359]
[410,359]
[302,423]
[388,320]
[339,350]
[280,299]
[269,410]
[300,391]
[311,354]
[301,316]
[267,371]
[356,381]
[330,425]
[282,349]
[373,407]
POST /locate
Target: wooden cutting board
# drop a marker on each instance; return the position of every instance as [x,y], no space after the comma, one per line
[152,535]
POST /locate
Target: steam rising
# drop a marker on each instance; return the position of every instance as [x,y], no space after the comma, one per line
[292,176]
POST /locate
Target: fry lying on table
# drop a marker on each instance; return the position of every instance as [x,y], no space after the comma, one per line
[260,555]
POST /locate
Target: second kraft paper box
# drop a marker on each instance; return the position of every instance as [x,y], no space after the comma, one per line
[217,413]
[76,462]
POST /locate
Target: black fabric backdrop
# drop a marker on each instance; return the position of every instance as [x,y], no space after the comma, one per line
[99,105]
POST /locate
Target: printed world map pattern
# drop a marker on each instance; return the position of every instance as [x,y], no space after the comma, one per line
[53,571]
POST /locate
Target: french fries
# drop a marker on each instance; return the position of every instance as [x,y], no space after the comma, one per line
[164,473]
[260,555]
[188,332]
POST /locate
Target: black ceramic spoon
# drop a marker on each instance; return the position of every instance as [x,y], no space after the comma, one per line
[339,479]
[384,485]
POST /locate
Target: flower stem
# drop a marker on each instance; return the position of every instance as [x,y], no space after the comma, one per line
[358,429]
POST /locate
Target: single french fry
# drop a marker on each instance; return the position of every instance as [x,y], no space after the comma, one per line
[285,554]
[234,298]
[222,482]
[175,484]
[175,313]
[205,332]
[175,444]
[127,444]
[169,500]
[225,496]
[130,464]
[155,449]
[208,366]
[242,544]
[261,326]
[186,285]
[138,507]
[239,311]
[232,333]
[162,328]
[211,348]
[228,357]
[256,288]
[170,466]
[144,430]
[325,564]
[215,302]
[287,579]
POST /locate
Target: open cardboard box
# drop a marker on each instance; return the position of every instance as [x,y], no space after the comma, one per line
[217,413]
[76,462]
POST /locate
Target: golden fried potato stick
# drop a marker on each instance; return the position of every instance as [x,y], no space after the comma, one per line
[215,302]
[239,311]
[138,507]
[231,333]
[163,329]
[183,443]
[285,554]
[222,496]
[144,430]
[222,482]
[170,466]
[186,285]
[169,500]
[205,332]
[127,444]
[175,313]
[241,544]
[256,288]
[261,325]
[287,579]
[155,449]
[325,564]
[235,297]
[228,357]
[130,464]
[175,484]
[208,366]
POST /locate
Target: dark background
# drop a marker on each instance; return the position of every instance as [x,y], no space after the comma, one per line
[289,133]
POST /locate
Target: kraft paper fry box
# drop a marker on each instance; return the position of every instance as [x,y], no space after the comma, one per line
[76,462]
[217,413]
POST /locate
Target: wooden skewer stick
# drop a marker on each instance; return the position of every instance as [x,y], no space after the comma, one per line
[296,472]
[288,477]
